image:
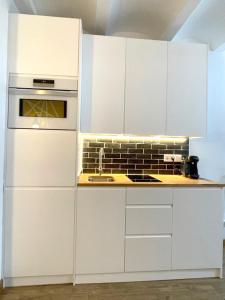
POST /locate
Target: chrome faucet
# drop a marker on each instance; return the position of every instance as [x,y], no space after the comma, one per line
[101,154]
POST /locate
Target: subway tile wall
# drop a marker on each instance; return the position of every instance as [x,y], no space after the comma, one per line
[132,156]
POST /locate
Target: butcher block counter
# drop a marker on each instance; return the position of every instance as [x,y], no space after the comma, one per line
[166,181]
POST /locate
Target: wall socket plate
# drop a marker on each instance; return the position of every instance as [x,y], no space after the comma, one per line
[170,157]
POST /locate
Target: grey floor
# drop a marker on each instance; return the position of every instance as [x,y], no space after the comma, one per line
[203,289]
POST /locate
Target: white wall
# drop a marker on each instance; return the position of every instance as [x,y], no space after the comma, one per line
[211,150]
[4,4]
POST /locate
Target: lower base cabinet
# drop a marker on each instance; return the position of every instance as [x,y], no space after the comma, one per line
[100,230]
[117,232]
[39,232]
[148,230]
[150,253]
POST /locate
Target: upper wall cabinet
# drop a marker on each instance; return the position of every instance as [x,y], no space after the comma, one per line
[187,89]
[103,79]
[44,45]
[145,94]
[143,87]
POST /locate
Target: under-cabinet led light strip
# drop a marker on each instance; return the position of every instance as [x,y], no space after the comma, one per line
[119,137]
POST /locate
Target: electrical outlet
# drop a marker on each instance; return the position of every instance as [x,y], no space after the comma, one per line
[172,157]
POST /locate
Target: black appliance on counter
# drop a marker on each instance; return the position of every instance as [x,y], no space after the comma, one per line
[142,178]
[190,168]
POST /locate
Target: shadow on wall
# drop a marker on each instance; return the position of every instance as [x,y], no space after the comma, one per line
[211,150]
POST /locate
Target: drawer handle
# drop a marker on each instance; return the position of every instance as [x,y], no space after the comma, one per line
[146,236]
[150,206]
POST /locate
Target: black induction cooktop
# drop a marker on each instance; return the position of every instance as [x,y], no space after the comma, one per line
[142,178]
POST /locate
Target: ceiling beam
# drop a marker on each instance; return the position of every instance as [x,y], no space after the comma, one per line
[102,14]
[26,6]
[12,7]
[33,6]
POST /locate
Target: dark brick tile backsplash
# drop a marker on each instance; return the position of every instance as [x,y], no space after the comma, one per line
[132,157]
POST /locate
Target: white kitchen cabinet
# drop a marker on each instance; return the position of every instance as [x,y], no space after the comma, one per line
[44,45]
[187,89]
[143,87]
[146,83]
[103,83]
[40,158]
[147,253]
[197,228]
[39,232]
[100,230]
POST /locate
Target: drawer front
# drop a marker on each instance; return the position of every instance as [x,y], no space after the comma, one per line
[149,219]
[148,253]
[149,196]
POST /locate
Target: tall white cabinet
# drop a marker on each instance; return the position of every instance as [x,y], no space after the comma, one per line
[146,82]
[40,177]
[187,89]
[103,83]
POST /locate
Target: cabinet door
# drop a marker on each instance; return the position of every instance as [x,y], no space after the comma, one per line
[103,78]
[197,228]
[39,232]
[100,230]
[43,45]
[40,158]
[187,89]
[145,93]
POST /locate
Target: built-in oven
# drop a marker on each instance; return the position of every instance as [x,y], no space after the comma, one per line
[37,103]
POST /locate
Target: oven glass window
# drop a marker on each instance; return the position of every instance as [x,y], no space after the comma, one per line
[43,108]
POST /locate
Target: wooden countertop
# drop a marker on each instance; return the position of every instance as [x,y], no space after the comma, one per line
[166,181]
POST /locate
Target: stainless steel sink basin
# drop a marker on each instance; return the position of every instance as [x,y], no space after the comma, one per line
[100,178]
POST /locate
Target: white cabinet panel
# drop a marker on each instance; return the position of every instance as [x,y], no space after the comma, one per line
[147,253]
[39,232]
[149,195]
[145,93]
[149,219]
[197,228]
[187,89]
[103,79]
[100,230]
[43,45]
[40,158]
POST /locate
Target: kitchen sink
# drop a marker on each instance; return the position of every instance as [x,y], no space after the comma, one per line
[100,178]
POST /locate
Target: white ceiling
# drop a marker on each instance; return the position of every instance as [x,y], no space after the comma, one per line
[155,19]
[198,20]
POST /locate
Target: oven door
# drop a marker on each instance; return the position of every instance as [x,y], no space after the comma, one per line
[42,109]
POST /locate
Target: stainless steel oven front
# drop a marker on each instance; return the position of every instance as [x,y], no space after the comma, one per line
[42,108]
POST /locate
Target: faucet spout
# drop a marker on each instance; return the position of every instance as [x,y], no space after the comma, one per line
[101,154]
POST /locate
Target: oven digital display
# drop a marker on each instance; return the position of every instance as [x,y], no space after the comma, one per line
[43,108]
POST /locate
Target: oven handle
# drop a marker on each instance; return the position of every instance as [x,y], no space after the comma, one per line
[39,92]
